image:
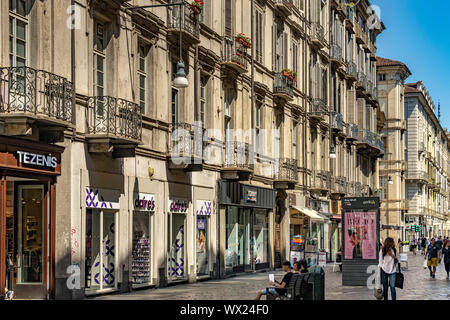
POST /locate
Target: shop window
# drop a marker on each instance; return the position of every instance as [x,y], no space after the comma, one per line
[141,266]
[202,246]
[177,241]
[261,237]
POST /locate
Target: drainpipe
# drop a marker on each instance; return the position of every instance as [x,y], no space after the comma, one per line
[252,90]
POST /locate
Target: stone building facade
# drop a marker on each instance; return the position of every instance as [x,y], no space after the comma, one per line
[136,198]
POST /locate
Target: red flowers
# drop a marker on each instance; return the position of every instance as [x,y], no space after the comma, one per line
[197,6]
[244,40]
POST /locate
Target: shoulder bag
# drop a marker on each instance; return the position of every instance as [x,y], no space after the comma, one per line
[399,278]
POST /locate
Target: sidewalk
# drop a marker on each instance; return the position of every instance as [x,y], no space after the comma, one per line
[418,286]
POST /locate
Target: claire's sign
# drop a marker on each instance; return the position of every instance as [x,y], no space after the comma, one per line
[178,206]
[144,202]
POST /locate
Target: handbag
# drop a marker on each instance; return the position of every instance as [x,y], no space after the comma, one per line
[399,278]
[378,290]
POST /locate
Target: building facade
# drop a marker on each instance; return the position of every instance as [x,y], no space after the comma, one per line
[151,184]
[391,76]
[427,151]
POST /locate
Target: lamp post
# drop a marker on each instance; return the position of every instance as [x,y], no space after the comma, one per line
[180,80]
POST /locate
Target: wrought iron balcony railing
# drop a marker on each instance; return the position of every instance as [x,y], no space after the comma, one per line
[352,70]
[285,6]
[234,54]
[187,141]
[418,175]
[362,80]
[286,169]
[337,122]
[189,20]
[318,33]
[283,85]
[352,131]
[336,53]
[358,188]
[238,156]
[114,117]
[379,143]
[318,105]
[39,93]
[318,182]
[368,137]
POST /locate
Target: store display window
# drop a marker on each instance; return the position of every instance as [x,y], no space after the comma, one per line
[141,251]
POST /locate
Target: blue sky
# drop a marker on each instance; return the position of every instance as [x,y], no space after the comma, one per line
[418,34]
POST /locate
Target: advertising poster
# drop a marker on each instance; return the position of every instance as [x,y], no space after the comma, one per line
[360,235]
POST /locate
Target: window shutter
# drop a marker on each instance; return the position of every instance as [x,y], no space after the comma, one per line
[285,50]
[228,19]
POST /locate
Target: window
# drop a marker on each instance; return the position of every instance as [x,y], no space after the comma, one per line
[99,60]
[142,74]
[175,107]
[259,35]
[294,139]
[228,102]
[295,59]
[322,155]
[203,99]
[258,127]
[18,33]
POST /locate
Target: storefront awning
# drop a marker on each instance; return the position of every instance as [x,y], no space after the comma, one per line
[312,214]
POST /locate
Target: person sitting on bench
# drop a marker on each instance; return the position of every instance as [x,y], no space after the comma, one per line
[278,288]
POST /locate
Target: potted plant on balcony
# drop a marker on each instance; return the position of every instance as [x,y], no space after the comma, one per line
[286,72]
[197,6]
[237,58]
[294,76]
[244,40]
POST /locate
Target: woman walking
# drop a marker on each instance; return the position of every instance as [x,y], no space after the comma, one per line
[387,267]
[446,254]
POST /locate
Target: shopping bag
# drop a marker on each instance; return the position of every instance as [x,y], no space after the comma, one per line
[399,278]
[378,290]
[425,264]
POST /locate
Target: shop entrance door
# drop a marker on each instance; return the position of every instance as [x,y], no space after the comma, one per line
[176,261]
[247,222]
[27,241]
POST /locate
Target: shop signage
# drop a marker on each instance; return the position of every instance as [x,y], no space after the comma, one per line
[37,159]
[144,201]
[102,198]
[204,208]
[322,259]
[360,236]
[361,203]
[251,195]
[178,206]
[201,224]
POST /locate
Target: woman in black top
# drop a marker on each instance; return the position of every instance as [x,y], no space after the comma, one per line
[446,254]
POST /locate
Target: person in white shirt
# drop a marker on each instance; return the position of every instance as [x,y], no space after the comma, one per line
[387,266]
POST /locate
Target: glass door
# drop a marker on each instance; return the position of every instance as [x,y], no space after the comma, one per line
[247,224]
[30,204]
[101,244]
[202,246]
[177,239]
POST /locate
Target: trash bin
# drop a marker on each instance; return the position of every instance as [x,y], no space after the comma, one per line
[317,279]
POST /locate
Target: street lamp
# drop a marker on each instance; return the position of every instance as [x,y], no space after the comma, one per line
[390,180]
[332,152]
[180,80]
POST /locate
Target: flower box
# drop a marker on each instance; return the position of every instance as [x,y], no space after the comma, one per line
[197,6]
[244,40]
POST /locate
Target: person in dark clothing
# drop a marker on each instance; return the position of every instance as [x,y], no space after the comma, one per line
[301,266]
[446,255]
[423,244]
[278,288]
[434,255]
[439,243]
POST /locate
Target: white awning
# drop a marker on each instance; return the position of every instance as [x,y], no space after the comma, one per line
[312,214]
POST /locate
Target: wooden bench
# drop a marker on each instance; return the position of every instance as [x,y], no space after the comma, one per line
[297,289]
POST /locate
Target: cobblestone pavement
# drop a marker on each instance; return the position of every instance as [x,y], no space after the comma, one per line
[418,286]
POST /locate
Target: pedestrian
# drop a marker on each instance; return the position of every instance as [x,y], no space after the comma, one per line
[414,245]
[400,245]
[446,254]
[278,288]
[433,255]
[423,244]
[387,266]
[300,266]
[439,243]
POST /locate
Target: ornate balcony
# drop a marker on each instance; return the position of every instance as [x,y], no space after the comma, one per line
[283,87]
[33,99]
[114,125]
[234,56]
[186,147]
[352,131]
[336,55]
[349,21]
[318,109]
[369,139]
[318,34]
[188,24]
[319,183]
[340,186]
[417,177]
[238,161]
[352,73]
[361,82]
[337,122]
[358,189]
[286,173]
[284,6]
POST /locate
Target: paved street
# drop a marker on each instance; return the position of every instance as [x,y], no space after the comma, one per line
[418,286]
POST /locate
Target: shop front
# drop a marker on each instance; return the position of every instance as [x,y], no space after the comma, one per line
[28,172]
[142,240]
[246,213]
[178,209]
[203,236]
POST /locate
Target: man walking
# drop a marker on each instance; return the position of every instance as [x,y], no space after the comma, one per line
[439,242]
[423,244]
[434,255]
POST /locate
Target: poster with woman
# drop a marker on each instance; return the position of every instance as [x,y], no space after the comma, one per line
[360,235]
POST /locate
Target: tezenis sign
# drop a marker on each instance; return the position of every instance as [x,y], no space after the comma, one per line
[37,159]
